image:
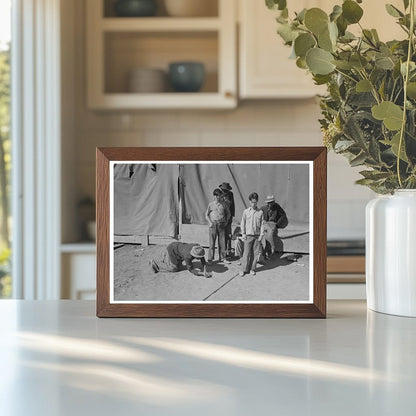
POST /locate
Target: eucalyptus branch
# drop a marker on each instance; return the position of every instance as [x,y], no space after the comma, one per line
[369,40]
[404,28]
[346,75]
[363,60]
[373,88]
[406,79]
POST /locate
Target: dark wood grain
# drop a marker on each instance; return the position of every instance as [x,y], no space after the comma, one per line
[319,231]
[103,231]
[317,309]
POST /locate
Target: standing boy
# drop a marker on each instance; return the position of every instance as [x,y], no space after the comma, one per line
[252,232]
[217,215]
[229,200]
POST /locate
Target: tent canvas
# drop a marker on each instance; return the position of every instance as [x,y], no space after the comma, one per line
[147,196]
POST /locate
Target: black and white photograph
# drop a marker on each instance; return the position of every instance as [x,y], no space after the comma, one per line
[186,232]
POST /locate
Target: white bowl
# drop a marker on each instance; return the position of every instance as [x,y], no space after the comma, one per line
[147,80]
[191,8]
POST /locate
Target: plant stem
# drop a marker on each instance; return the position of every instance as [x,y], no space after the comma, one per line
[391,98]
[406,79]
[373,88]
[346,75]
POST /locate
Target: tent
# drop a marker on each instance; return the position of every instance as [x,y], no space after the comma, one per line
[154,199]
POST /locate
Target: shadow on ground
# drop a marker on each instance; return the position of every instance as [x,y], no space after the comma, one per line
[277,280]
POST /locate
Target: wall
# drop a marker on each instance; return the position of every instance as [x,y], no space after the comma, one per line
[253,123]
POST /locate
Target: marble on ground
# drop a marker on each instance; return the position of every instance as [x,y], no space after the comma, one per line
[277,280]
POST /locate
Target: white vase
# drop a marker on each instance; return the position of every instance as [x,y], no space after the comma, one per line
[391,253]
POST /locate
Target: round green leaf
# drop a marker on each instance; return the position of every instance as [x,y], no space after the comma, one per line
[333,32]
[276,4]
[301,63]
[303,43]
[344,65]
[336,12]
[342,25]
[319,61]
[301,15]
[391,114]
[287,33]
[325,42]
[363,86]
[384,62]
[348,37]
[322,79]
[358,61]
[351,11]
[316,20]
[411,90]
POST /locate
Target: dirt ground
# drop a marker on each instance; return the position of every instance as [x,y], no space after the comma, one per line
[277,280]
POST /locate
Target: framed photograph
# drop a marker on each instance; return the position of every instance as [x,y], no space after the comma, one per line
[211,232]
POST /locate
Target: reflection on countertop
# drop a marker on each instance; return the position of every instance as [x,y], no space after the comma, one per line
[346,247]
[354,362]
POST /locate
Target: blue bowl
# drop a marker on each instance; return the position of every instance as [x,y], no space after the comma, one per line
[135,8]
[186,76]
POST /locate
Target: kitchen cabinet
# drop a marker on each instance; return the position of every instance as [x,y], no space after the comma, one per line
[265,70]
[118,45]
[78,263]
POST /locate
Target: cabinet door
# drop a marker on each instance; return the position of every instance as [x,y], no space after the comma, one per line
[78,276]
[266,71]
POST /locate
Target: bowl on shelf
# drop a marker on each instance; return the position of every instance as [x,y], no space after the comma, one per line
[135,8]
[147,80]
[186,76]
[191,8]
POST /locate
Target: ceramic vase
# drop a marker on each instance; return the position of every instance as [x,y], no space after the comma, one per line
[186,76]
[135,8]
[391,253]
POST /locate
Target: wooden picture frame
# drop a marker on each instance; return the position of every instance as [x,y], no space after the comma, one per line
[315,158]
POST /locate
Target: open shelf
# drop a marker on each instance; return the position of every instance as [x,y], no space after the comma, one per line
[116,46]
[127,51]
[158,101]
[160,24]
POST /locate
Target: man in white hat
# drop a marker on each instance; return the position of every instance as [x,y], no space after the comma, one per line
[274,217]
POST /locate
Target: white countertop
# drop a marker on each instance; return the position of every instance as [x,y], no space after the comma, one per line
[57,358]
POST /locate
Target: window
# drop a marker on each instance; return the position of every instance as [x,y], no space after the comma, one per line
[5,147]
